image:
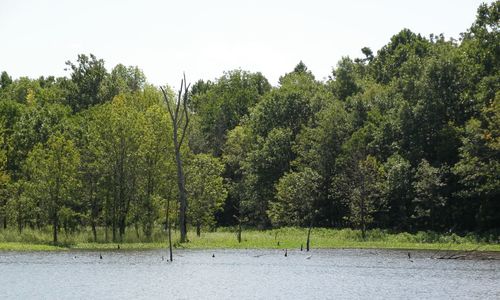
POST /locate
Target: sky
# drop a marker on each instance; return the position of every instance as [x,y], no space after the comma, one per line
[206,38]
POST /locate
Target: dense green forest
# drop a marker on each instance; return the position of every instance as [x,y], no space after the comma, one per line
[405,139]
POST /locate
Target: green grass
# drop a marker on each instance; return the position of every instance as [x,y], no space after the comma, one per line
[225,238]
[12,246]
[337,238]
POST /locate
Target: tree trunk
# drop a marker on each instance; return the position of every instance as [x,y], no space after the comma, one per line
[198,230]
[180,120]
[363,230]
[94,231]
[94,209]
[4,215]
[106,216]
[122,228]
[170,241]
[106,238]
[55,225]
[182,191]
[363,204]
[136,225]
[113,218]
[113,229]
[238,235]
[363,223]
[169,229]
[148,230]
[308,237]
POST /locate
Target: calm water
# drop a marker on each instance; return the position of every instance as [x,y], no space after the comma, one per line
[245,274]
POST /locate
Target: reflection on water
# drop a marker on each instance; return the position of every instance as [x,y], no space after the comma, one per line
[245,274]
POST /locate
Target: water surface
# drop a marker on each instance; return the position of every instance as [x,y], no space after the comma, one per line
[245,274]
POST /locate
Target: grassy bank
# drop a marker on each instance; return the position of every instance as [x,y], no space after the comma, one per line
[291,238]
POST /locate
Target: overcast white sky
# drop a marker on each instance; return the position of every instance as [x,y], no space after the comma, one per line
[205,38]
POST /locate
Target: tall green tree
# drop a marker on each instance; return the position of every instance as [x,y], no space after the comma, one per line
[294,205]
[221,105]
[121,80]
[317,147]
[87,77]
[238,145]
[479,166]
[206,190]
[157,168]
[87,128]
[262,169]
[35,125]
[120,142]
[274,124]
[362,187]
[5,80]
[54,179]
[428,199]
[345,79]
[5,181]
[399,193]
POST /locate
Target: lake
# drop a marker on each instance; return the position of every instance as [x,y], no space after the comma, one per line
[245,274]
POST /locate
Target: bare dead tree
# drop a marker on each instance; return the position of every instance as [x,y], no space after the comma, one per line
[179,115]
[169,228]
[308,241]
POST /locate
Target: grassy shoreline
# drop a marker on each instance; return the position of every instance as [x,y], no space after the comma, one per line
[290,238]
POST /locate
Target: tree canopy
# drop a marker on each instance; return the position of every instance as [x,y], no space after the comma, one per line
[405,138]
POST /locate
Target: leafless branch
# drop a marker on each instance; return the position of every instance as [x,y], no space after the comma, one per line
[165,97]
[178,104]
[186,113]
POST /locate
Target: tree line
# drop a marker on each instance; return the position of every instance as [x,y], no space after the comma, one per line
[404,139]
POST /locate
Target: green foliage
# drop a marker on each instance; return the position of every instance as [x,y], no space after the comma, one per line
[87,77]
[403,139]
[53,180]
[295,196]
[399,193]
[290,106]
[239,144]
[262,168]
[391,58]
[122,80]
[290,238]
[206,190]
[156,166]
[365,199]
[35,125]
[220,105]
[428,195]
[479,165]
[5,80]
[344,81]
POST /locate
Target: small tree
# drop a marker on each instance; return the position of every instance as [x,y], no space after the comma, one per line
[362,191]
[206,190]
[366,194]
[156,164]
[399,191]
[237,145]
[428,184]
[21,209]
[53,170]
[296,193]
